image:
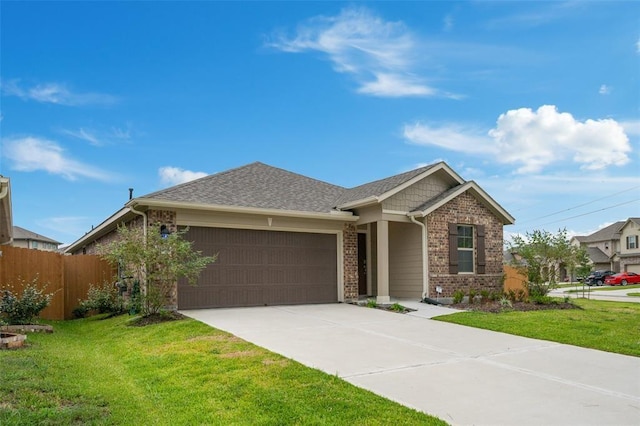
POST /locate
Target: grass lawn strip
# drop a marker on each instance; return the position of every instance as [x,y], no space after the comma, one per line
[607,326]
[104,372]
[607,288]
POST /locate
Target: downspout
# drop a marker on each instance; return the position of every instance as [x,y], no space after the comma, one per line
[144,221]
[425,258]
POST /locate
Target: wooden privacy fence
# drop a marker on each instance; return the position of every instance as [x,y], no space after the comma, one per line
[68,277]
[514,279]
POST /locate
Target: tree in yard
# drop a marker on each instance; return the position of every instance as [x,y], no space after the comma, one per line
[539,255]
[157,260]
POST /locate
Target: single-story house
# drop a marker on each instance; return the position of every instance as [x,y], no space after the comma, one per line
[284,238]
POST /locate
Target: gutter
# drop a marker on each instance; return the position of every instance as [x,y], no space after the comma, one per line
[425,257]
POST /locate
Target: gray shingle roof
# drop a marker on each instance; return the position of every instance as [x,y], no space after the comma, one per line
[596,255]
[256,185]
[605,234]
[24,234]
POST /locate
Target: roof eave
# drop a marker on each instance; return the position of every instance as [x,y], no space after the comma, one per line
[105,227]
[155,203]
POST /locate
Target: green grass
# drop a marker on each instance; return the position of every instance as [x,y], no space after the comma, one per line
[608,326]
[104,372]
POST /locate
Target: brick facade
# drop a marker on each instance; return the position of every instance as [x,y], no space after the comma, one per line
[350,254]
[464,209]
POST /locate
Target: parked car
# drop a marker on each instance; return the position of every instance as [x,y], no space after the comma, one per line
[623,278]
[598,277]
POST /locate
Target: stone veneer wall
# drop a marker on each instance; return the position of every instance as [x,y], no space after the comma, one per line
[464,209]
[350,253]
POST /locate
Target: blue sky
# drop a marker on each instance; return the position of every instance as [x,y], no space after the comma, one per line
[538,102]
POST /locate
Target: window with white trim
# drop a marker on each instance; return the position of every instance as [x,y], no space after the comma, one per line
[632,242]
[465,249]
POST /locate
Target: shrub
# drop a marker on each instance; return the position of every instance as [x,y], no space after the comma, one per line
[472,295]
[396,307]
[458,296]
[24,309]
[485,296]
[102,299]
[538,289]
[505,303]
[517,295]
[371,303]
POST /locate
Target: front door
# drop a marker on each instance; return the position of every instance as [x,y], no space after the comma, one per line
[362,264]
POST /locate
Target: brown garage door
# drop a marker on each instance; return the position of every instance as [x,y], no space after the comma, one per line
[256,268]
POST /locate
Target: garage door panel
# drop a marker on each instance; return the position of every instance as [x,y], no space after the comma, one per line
[256,268]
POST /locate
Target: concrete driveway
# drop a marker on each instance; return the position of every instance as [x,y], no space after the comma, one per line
[460,374]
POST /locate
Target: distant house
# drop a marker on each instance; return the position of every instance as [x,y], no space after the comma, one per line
[6,220]
[26,239]
[283,238]
[614,247]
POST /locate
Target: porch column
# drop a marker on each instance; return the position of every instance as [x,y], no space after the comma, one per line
[383,262]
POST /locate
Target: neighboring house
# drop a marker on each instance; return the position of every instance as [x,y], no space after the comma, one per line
[629,248]
[284,238]
[614,247]
[26,239]
[6,219]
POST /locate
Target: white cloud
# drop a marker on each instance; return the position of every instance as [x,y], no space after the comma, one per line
[30,154]
[85,135]
[100,137]
[449,136]
[631,127]
[533,139]
[55,93]
[604,90]
[638,46]
[380,54]
[394,86]
[173,175]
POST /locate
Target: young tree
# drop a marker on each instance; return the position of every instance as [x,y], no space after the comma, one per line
[157,260]
[539,255]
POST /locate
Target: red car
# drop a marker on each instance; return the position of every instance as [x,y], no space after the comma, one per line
[623,278]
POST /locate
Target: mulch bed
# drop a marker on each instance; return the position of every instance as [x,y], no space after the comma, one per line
[496,307]
[156,319]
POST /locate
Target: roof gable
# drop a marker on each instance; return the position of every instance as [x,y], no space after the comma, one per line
[380,190]
[440,200]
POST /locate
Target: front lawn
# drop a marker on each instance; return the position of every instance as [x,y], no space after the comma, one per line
[104,372]
[608,326]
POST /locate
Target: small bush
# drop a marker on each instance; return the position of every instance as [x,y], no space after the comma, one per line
[472,295]
[396,307]
[23,309]
[102,299]
[517,295]
[458,296]
[538,289]
[485,296]
[505,303]
[371,303]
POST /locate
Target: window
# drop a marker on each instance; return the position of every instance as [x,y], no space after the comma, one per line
[466,249]
[632,242]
